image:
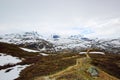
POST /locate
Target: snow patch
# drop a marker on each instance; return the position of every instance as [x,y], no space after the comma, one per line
[44,54]
[93,53]
[13,73]
[29,50]
[43,49]
[8,59]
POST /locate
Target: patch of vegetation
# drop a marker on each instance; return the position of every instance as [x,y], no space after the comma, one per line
[14,50]
[7,66]
[70,76]
[48,65]
[109,63]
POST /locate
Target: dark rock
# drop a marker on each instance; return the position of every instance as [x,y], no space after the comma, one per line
[8,70]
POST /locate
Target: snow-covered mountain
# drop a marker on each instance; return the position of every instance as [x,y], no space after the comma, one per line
[68,42]
[54,42]
[28,39]
[20,38]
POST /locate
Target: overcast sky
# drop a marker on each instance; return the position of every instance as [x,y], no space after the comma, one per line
[92,18]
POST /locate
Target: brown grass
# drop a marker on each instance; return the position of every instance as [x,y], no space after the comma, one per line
[14,50]
[47,65]
[108,63]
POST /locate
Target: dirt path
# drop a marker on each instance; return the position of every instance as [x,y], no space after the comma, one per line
[52,77]
[77,72]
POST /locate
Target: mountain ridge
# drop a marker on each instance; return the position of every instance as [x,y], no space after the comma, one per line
[56,42]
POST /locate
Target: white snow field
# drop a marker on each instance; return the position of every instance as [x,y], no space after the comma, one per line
[8,59]
[13,73]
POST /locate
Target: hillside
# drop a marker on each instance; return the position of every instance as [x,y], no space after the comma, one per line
[30,40]
[80,71]
[38,64]
[14,50]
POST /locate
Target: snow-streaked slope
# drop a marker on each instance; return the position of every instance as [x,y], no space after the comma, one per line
[53,42]
[13,73]
[8,59]
[93,53]
[69,42]
[29,50]
[20,38]
[77,42]
[30,40]
[44,54]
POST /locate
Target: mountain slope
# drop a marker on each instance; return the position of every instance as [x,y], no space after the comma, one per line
[14,50]
[54,42]
[53,63]
[30,40]
[79,72]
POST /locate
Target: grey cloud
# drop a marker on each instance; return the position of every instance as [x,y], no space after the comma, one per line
[60,16]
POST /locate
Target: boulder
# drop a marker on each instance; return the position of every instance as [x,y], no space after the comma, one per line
[93,71]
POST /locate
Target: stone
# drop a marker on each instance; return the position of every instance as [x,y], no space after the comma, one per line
[93,71]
